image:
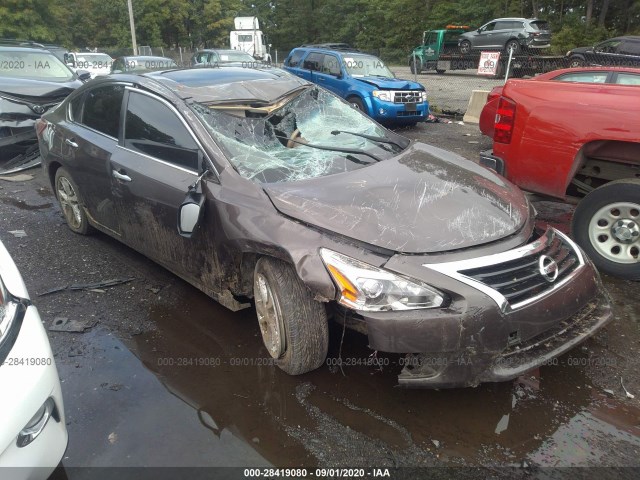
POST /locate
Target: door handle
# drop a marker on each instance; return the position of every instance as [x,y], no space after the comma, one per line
[71,143]
[120,176]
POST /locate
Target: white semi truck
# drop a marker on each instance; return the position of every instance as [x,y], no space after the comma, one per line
[248,37]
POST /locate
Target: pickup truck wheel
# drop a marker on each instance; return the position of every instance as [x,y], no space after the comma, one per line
[576,62]
[465,46]
[606,224]
[293,325]
[513,46]
[417,67]
[71,203]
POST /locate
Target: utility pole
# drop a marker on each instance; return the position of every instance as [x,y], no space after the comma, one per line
[133,28]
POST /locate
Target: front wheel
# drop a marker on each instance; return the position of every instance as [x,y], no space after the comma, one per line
[356,103]
[293,325]
[465,47]
[606,224]
[575,62]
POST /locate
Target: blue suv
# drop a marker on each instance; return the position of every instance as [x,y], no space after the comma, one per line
[362,80]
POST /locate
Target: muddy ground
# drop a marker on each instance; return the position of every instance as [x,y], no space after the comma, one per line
[164,376]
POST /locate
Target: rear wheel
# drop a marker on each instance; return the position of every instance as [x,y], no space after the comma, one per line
[512,46]
[71,202]
[293,325]
[465,46]
[606,224]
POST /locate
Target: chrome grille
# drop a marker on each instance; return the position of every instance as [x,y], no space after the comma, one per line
[521,279]
[407,96]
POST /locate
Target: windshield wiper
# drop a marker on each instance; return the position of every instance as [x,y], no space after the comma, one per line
[373,138]
[332,149]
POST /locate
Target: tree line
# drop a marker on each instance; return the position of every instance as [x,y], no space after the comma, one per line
[373,25]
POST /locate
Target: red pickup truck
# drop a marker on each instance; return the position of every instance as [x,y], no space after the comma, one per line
[573,139]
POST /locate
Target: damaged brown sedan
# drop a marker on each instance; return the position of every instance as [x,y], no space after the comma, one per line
[252,184]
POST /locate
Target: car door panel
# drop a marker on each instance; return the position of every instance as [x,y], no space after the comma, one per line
[150,191]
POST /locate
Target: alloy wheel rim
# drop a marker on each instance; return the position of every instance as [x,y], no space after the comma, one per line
[269,317]
[614,232]
[69,202]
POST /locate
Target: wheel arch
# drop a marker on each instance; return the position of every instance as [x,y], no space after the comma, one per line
[51,172]
[593,158]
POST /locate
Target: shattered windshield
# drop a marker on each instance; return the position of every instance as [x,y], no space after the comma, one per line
[293,138]
[366,66]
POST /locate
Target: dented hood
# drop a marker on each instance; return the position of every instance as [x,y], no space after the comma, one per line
[424,200]
[37,91]
[390,84]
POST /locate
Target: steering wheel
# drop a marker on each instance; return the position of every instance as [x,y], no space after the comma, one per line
[296,133]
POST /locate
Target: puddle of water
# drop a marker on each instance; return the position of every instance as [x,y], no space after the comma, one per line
[214,360]
[119,414]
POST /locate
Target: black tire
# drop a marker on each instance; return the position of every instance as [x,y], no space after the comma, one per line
[303,319]
[440,71]
[413,66]
[575,62]
[71,202]
[357,103]
[513,45]
[594,222]
[465,46]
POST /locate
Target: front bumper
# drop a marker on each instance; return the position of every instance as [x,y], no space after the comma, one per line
[28,378]
[483,336]
[392,112]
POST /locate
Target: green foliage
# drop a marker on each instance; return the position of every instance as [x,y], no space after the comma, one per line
[384,26]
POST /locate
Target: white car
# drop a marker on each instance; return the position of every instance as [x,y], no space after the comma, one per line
[33,433]
[95,63]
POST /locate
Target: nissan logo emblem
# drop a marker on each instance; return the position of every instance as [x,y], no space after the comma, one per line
[548,268]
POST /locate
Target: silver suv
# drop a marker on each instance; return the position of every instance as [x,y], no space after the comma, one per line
[507,34]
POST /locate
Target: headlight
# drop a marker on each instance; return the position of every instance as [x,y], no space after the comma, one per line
[568,53]
[424,96]
[382,95]
[365,287]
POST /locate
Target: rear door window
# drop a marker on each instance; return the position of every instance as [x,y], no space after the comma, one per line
[154,129]
[102,106]
[630,48]
[331,65]
[584,77]
[627,79]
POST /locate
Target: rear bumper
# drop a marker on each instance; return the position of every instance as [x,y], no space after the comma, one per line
[489,160]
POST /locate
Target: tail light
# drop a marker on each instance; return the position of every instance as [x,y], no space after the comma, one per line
[505,120]
[40,126]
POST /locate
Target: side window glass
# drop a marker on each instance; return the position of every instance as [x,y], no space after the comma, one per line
[313,61]
[155,130]
[489,27]
[75,110]
[294,60]
[331,65]
[630,48]
[102,107]
[628,79]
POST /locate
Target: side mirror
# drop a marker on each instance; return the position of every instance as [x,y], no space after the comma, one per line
[83,75]
[191,210]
